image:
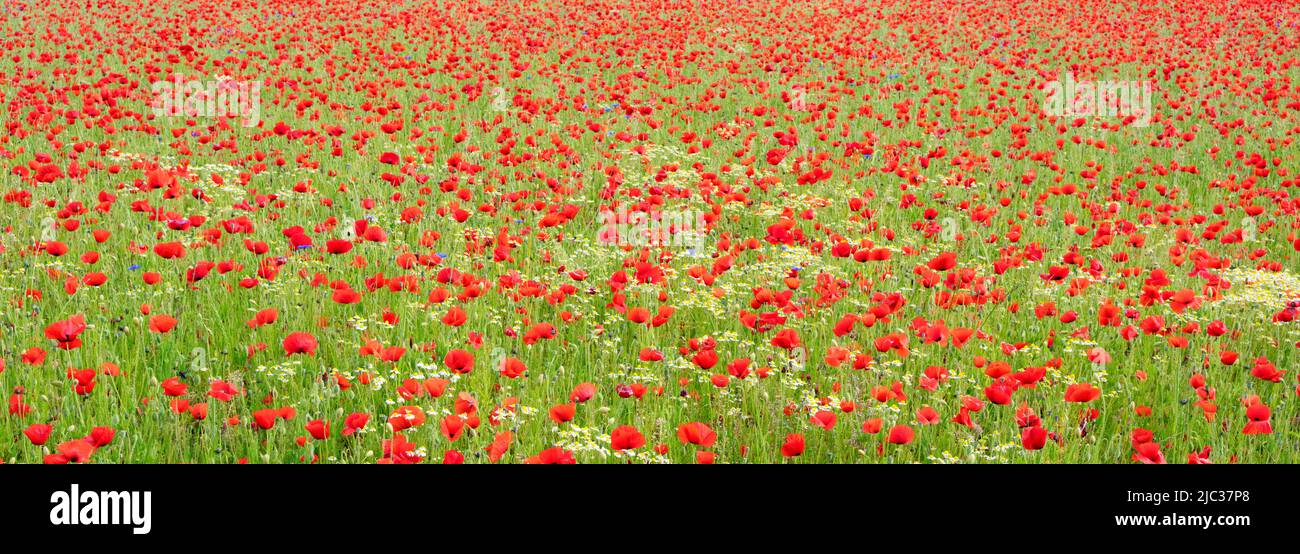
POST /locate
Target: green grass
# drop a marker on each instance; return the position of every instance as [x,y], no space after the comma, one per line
[889,59]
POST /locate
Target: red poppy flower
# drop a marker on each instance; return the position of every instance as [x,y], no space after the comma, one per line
[265,419]
[169,250]
[500,444]
[66,332]
[1258,414]
[697,434]
[1148,453]
[300,343]
[459,361]
[513,368]
[1033,438]
[263,318]
[76,451]
[38,433]
[1081,392]
[162,324]
[626,437]
[399,451]
[405,417]
[582,393]
[901,434]
[786,338]
[452,426]
[355,422]
[553,456]
[101,436]
[824,419]
[793,446]
[563,412]
[319,429]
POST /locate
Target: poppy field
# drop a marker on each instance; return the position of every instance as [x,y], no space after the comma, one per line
[683,231]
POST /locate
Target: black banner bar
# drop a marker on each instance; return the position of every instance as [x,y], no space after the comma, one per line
[129,504]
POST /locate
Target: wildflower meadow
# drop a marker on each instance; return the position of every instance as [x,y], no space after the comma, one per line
[652,232]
